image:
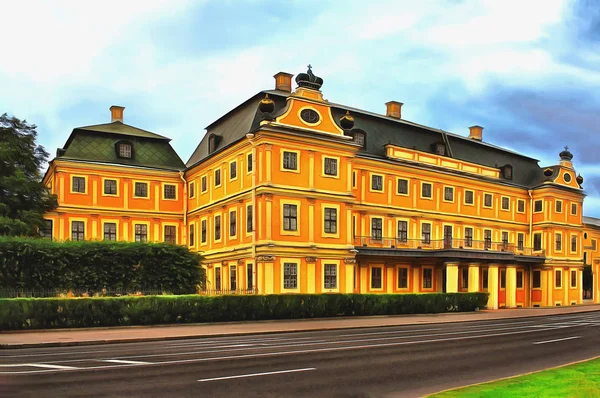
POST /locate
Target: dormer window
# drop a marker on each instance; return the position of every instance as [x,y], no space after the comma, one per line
[124,149]
[213,141]
[360,138]
[439,149]
[507,172]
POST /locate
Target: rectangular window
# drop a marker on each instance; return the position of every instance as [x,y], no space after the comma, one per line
[426,190]
[505,240]
[141,233]
[573,278]
[558,206]
[290,160]
[521,241]
[354,179]
[503,279]
[170,234]
[249,165]
[78,184]
[520,206]
[449,194]
[77,230]
[469,237]
[537,241]
[426,233]
[330,274]
[537,279]
[427,278]
[203,184]
[125,151]
[203,230]
[519,279]
[487,200]
[141,189]
[331,167]
[469,197]
[249,277]
[290,276]
[402,186]
[594,244]
[217,177]
[573,243]
[465,278]
[558,278]
[402,231]
[249,218]
[217,227]
[402,278]
[192,190]
[46,230]
[558,242]
[290,217]
[487,238]
[232,170]
[376,229]
[218,278]
[330,220]
[376,277]
[170,191]
[233,277]
[538,206]
[110,187]
[110,231]
[573,209]
[232,223]
[376,183]
[505,203]
[191,239]
[484,278]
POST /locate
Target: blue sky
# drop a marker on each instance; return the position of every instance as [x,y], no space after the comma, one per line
[528,71]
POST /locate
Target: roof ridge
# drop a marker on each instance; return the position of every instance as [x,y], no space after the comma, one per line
[147,134]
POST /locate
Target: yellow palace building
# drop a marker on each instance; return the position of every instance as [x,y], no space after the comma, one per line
[291,193]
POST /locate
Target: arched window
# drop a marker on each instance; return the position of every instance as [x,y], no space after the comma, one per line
[213,141]
[507,171]
[124,149]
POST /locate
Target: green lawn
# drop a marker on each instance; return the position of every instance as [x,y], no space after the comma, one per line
[579,380]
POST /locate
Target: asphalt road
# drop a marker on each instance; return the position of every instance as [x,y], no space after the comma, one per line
[375,362]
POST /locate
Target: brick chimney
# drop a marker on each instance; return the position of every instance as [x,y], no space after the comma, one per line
[394,109]
[283,81]
[476,133]
[116,113]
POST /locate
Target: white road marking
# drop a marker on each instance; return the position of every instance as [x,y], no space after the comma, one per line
[44,365]
[51,354]
[124,361]
[557,340]
[258,374]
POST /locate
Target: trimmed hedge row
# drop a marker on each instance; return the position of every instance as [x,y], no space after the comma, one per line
[42,313]
[36,264]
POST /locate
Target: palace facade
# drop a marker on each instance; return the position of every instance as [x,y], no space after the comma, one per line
[291,193]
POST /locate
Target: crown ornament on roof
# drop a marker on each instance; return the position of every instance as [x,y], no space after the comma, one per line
[309,80]
[566,155]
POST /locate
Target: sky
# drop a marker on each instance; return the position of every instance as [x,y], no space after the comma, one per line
[527,71]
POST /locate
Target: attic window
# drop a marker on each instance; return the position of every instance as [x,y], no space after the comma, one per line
[124,149]
[212,143]
[360,137]
[507,172]
[439,149]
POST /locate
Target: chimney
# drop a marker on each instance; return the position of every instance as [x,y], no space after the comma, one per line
[116,113]
[476,133]
[283,81]
[394,109]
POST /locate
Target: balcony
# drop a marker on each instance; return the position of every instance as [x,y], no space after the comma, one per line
[449,247]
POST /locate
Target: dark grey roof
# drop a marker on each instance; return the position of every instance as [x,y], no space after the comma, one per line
[591,221]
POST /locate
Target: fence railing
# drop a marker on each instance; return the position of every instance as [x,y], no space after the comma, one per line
[447,243]
[67,293]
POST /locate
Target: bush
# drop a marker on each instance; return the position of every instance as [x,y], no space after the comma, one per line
[39,313]
[35,264]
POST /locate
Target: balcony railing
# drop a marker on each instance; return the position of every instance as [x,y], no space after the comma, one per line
[444,244]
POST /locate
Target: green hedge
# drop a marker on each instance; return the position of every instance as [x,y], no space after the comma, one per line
[39,313]
[36,264]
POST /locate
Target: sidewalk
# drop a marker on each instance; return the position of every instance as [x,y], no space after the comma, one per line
[72,337]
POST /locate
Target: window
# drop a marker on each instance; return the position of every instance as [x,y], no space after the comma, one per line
[331,167]
[110,187]
[218,278]
[469,197]
[170,191]
[538,206]
[249,279]
[505,205]
[426,190]
[192,228]
[170,232]
[505,239]
[203,231]
[594,244]
[290,160]
[537,241]
[558,206]
[249,165]
[519,279]
[110,231]
[233,277]
[46,230]
[330,220]
[485,278]
[503,279]
[360,138]
[376,228]
[573,279]
[217,177]
[558,242]
[558,278]
[77,230]
[78,184]
[402,278]
[203,184]
[449,194]
[402,231]
[330,274]
[192,190]
[376,182]
[507,172]
[141,190]
[487,238]
[217,227]
[468,237]
[232,170]
[427,278]
[487,200]
[573,209]
[290,275]
[520,206]
[125,150]
[376,277]
[212,143]
[290,217]
[141,233]
[426,233]
[249,219]
[537,279]
[354,179]
[465,278]
[402,186]
[232,223]
[573,243]
[439,149]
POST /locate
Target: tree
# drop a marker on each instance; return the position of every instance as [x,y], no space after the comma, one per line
[23,198]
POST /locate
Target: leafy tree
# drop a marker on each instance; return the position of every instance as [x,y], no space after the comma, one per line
[23,198]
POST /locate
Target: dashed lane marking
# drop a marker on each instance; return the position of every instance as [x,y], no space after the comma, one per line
[258,374]
[557,340]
